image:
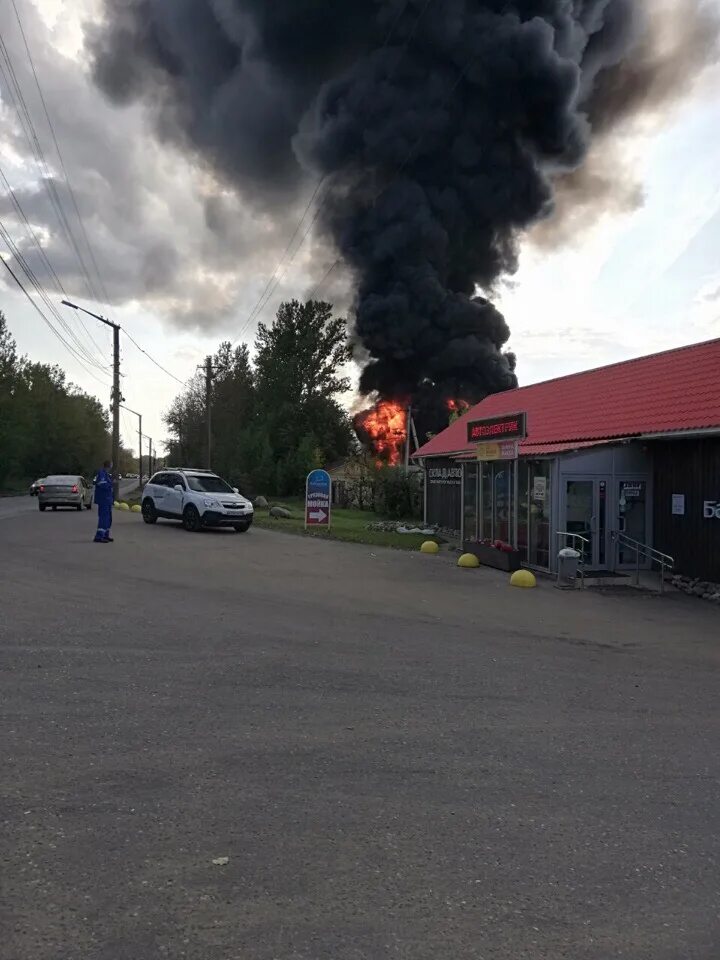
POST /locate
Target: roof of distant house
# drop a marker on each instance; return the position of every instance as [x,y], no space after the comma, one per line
[664,393]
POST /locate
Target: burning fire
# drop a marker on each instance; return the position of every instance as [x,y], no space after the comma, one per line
[457,408]
[385,426]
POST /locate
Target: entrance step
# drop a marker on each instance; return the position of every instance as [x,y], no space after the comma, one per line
[604,578]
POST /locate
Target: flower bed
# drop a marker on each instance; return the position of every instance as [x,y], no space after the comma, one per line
[495,554]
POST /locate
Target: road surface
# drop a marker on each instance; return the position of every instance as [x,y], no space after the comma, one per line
[221,746]
[18,506]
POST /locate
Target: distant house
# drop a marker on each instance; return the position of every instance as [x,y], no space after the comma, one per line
[352,480]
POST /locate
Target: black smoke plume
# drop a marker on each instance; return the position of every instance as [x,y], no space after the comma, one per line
[439,127]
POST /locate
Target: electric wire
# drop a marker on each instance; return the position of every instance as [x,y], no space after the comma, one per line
[60,156]
[17,253]
[48,322]
[46,177]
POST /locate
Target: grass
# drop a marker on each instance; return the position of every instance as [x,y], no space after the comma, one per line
[347,525]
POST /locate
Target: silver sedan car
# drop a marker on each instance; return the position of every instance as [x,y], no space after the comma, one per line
[65,490]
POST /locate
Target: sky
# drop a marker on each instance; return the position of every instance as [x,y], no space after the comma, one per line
[184,262]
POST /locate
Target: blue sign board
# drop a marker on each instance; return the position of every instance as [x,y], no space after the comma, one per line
[318,496]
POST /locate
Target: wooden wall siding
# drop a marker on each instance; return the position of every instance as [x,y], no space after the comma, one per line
[692,468]
[443,478]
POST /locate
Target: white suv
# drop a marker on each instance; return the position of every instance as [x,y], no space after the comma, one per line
[199,498]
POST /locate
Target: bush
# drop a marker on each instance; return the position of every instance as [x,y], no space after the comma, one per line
[399,495]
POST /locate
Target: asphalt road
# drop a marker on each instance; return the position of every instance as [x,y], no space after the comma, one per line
[260,747]
[20,506]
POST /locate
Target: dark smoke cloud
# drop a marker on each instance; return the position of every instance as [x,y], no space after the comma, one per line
[440,127]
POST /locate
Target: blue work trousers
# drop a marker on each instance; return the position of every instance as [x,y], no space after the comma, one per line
[104,521]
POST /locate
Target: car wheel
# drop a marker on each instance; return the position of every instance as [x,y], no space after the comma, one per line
[191,519]
[242,527]
[79,508]
[88,506]
[149,512]
[42,507]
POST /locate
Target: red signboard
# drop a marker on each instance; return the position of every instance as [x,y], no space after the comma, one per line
[509,427]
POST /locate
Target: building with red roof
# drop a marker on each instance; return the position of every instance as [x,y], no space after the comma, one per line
[606,459]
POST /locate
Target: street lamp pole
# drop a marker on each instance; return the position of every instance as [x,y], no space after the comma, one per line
[117,397]
[150,457]
[140,442]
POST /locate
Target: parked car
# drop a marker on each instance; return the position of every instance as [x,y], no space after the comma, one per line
[34,487]
[198,498]
[65,490]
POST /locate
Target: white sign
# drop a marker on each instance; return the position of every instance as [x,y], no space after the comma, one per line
[539,489]
[711,510]
[678,504]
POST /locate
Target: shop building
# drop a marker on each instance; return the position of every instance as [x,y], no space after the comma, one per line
[630,448]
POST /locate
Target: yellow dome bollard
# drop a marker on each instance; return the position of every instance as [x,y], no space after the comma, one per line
[124,506]
[116,504]
[429,547]
[469,561]
[523,578]
[136,508]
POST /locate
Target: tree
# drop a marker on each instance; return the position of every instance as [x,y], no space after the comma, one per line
[299,357]
[275,419]
[298,375]
[47,425]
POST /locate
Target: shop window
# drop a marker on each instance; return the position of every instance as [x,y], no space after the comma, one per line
[486,525]
[523,524]
[503,506]
[539,513]
[470,501]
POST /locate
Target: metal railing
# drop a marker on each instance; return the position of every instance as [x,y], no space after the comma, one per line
[581,545]
[642,549]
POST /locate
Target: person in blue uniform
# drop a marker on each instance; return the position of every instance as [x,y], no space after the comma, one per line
[104,501]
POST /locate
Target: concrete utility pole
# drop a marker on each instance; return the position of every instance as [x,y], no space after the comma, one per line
[116,397]
[208,408]
[408,428]
[150,457]
[140,440]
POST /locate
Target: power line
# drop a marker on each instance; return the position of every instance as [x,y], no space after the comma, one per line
[153,360]
[42,293]
[59,153]
[70,349]
[259,305]
[31,135]
[43,256]
[46,177]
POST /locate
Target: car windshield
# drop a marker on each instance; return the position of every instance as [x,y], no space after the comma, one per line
[207,483]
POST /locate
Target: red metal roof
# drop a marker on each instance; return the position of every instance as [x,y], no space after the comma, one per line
[677,390]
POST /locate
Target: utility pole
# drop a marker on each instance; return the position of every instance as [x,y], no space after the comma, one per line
[150,457]
[408,428]
[208,408]
[140,440]
[116,397]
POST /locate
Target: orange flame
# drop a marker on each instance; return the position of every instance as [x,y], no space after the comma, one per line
[457,408]
[386,426]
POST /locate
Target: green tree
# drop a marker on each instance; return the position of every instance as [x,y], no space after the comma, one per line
[47,425]
[299,373]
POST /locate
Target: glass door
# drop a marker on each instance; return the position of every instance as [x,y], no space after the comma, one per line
[632,519]
[586,515]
